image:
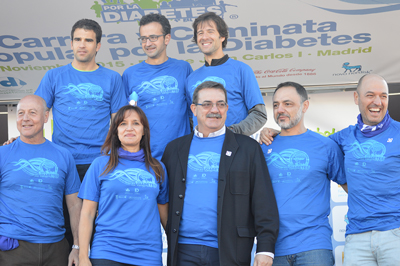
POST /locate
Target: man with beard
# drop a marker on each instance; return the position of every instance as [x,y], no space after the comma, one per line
[301,164]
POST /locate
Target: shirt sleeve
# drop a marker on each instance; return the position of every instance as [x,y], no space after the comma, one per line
[250,87]
[125,82]
[46,89]
[336,171]
[118,97]
[163,195]
[72,181]
[90,188]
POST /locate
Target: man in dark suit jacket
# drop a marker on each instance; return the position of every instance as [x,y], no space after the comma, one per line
[221,195]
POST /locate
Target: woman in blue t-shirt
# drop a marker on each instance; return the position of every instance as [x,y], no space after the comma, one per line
[130,190]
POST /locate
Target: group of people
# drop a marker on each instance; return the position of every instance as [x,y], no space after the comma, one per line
[212,188]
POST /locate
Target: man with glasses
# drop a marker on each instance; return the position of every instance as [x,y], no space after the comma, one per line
[247,112]
[221,195]
[159,81]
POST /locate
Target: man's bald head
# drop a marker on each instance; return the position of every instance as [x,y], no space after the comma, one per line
[372,98]
[34,98]
[369,77]
[32,113]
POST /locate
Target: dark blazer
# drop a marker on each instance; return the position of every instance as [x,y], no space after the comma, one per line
[246,202]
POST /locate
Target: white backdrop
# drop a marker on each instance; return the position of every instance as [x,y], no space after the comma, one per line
[315,42]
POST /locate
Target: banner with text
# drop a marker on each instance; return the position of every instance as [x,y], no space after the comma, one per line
[308,41]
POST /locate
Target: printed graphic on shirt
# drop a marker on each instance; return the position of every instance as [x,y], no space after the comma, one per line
[155,92]
[134,177]
[370,150]
[84,92]
[204,162]
[38,167]
[159,85]
[210,78]
[204,168]
[290,159]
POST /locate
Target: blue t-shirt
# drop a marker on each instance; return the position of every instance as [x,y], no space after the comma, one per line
[373,178]
[301,168]
[161,91]
[199,215]
[128,225]
[240,83]
[33,181]
[82,106]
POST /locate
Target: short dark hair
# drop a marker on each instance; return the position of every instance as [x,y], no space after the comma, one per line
[149,18]
[87,24]
[208,85]
[299,88]
[219,22]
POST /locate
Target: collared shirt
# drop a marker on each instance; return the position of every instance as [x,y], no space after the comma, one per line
[217,62]
[212,134]
[216,134]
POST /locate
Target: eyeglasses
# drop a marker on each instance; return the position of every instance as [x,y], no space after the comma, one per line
[208,105]
[152,38]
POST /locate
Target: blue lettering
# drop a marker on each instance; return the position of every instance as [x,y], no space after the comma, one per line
[291,29]
[341,39]
[362,38]
[116,53]
[186,30]
[280,41]
[2,44]
[8,57]
[9,82]
[23,56]
[32,42]
[307,42]
[116,38]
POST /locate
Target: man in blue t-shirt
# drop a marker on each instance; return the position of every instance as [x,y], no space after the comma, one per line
[301,164]
[372,158]
[247,112]
[159,81]
[221,195]
[35,174]
[84,96]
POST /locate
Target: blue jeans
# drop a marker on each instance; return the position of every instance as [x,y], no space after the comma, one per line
[373,248]
[317,257]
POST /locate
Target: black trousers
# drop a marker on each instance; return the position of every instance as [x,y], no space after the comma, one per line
[197,255]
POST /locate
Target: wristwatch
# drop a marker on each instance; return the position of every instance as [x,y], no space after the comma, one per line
[75,247]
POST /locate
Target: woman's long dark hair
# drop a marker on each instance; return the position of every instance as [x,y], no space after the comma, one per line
[112,143]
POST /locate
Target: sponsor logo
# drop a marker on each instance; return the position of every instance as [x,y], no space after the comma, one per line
[179,10]
[352,69]
[11,83]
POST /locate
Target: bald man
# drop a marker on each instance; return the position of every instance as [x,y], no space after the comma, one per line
[372,160]
[34,176]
